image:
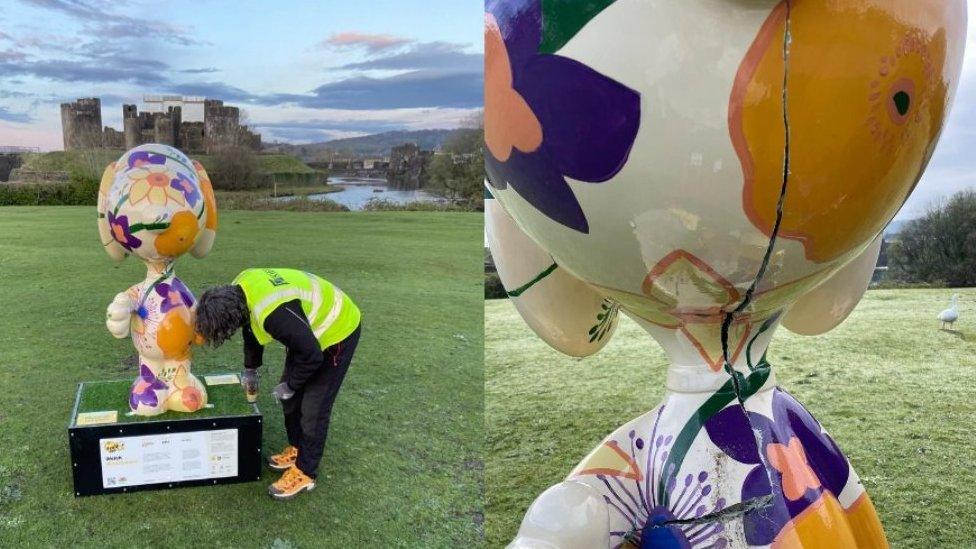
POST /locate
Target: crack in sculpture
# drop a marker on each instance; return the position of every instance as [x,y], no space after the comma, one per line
[747,298]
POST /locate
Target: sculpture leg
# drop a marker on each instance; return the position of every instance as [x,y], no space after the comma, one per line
[149,392]
[186,392]
[705,471]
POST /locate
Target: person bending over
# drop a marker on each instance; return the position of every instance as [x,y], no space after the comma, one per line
[318,325]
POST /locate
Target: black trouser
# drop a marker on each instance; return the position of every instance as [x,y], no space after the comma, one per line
[307,413]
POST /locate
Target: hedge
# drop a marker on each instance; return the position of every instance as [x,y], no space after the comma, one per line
[493,287]
[76,192]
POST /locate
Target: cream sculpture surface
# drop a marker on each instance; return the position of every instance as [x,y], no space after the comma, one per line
[157,204]
[711,168]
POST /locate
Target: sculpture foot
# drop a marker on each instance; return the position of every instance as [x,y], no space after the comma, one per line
[186,392]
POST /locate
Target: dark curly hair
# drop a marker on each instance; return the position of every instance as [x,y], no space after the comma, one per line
[221,311]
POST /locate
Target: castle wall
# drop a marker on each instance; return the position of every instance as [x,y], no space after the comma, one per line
[9,162]
[191,136]
[113,138]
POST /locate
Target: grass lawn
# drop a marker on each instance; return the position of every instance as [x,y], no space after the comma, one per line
[894,391]
[402,466]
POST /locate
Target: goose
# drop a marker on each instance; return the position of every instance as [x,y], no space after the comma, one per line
[950,315]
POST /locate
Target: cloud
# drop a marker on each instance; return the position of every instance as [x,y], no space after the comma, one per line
[19,117]
[202,70]
[107,25]
[303,125]
[63,70]
[216,90]
[425,55]
[11,56]
[305,135]
[372,43]
[74,8]
[421,88]
[363,127]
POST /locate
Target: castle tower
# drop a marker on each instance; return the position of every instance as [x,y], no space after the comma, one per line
[220,125]
[166,127]
[130,126]
[81,123]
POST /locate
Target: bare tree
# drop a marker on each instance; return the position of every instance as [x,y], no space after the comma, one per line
[939,247]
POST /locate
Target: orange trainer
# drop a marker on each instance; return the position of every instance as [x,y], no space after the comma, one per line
[293,482]
[283,460]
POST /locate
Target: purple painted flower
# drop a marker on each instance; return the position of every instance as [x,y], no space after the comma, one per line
[548,117]
[792,427]
[144,389]
[174,294]
[119,226]
[142,158]
[662,518]
[190,191]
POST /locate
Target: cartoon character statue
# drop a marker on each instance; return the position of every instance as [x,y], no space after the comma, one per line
[158,204]
[711,168]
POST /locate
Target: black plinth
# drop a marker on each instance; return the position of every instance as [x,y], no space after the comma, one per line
[220,444]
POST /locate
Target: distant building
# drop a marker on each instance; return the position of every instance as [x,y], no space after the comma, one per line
[191,108]
[408,166]
[162,122]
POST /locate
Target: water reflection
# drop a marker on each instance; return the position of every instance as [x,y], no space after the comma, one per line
[356,192]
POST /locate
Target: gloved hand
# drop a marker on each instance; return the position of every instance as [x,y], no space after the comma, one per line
[282,392]
[119,314]
[249,380]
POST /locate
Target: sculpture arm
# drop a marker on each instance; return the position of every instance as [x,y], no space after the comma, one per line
[119,313]
[565,312]
[825,307]
[569,515]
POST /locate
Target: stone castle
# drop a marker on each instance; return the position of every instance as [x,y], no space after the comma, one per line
[81,126]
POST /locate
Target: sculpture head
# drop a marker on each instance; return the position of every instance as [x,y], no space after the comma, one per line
[157,204]
[688,175]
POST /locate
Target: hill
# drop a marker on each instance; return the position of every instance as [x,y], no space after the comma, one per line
[368,145]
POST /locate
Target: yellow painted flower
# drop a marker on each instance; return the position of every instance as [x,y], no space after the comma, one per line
[152,183]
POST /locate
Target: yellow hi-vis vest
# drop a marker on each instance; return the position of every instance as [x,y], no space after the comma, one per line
[331,314]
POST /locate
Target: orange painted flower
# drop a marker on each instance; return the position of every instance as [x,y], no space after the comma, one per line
[192,398]
[175,334]
[509,122]
[791,461]
[180,236]
[152,183]
[864,124]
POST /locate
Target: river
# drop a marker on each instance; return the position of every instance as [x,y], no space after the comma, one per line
[356,192]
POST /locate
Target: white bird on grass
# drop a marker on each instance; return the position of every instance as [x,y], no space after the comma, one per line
[950,315]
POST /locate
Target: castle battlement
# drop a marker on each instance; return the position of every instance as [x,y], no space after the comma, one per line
[81,125]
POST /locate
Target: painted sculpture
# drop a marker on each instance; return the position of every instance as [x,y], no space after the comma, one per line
[711,168]
[157,204]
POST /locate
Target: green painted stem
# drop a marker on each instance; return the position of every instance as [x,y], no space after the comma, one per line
[518,291]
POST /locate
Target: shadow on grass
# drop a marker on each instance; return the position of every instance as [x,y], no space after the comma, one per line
[957,333]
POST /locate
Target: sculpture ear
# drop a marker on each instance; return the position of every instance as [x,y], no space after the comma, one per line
[827,305]
[564,311]
[112,248]
[209,233]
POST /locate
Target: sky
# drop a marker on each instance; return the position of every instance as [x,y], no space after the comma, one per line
[303,71]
